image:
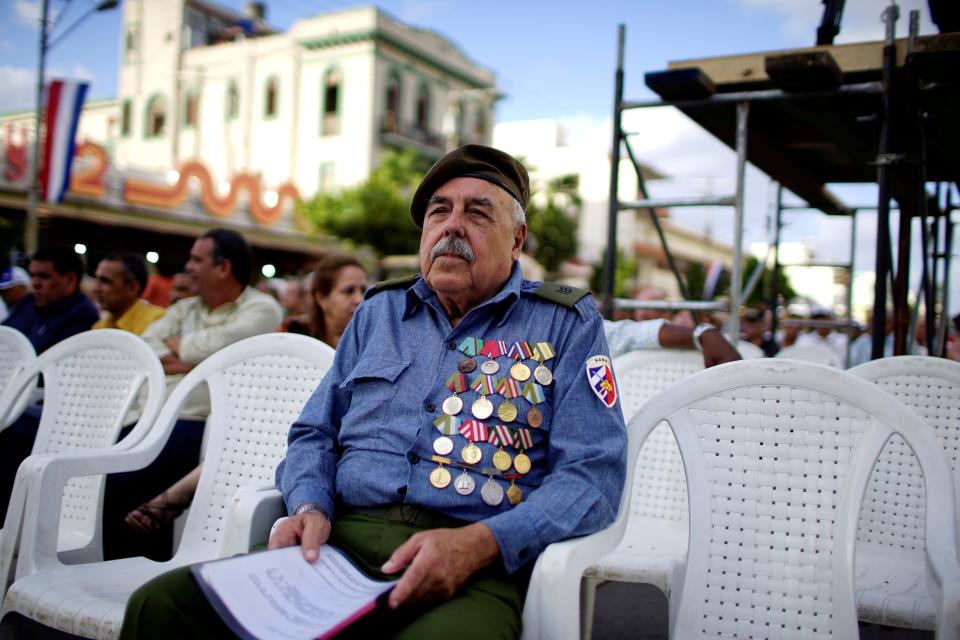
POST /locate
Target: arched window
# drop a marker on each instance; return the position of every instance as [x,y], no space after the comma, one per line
[330,123]
[156,116]
[391,113]
[126,116]
[233,100]
[423,108]
[190,109]
[271,98]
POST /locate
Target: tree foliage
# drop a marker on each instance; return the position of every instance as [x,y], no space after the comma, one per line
[554,226]
[625,271]
[696,277]
[376,212]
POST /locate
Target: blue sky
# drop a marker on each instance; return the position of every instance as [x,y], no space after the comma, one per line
[553,59]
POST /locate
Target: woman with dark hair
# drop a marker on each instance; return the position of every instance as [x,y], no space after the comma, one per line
[336,290]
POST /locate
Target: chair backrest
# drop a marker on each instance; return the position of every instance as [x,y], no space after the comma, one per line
[258,388]
[817,353]
[749,351]
[15,353]
[659,486]
[777,455]
[893,507]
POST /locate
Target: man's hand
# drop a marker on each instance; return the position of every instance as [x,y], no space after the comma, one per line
[716,349]
[173,365]
[173,343]
[310,530]
[438,562]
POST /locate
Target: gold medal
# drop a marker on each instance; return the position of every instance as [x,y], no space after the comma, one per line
[464,484]
[501,460]
[520,372]
[482,408]
[514,494]
[534,417]
[467,365]
[443,446]
[452,405]
[491,492]
[521,463]
[543,375]
[489,367]
[440,477]
[507,411]
[471,454]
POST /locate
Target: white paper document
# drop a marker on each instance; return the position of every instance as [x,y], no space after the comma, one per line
[279,595]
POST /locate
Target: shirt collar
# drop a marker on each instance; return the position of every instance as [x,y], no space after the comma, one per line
[421,293]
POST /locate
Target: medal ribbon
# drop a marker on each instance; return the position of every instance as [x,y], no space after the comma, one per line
[508,388]
[524,439]
[520,351]
[533,392]
[543,351]
[447,425]
[457,383]
[493,348]
[471,346]
[484,384]
[473,430]
[501,436]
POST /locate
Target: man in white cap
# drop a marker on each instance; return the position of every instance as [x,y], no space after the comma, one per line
[14,287]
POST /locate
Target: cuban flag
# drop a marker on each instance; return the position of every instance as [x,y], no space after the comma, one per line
[64,103]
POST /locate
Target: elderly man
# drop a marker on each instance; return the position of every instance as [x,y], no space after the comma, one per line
[225,311]
[470,419]
[120,279]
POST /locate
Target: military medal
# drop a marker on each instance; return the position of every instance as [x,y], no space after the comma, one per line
[521,461]
[501,436]
[520,351]
[508,388]
[447,425]
[457,382]
[493,349]
[514,494]
[464,484]
[507,411]
[482,408]
[491,492]
[467,365]
[543,351]
[440,477]
[533,392]
[443,446]
[472,430]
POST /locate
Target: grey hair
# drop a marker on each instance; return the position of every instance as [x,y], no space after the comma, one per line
[519,217]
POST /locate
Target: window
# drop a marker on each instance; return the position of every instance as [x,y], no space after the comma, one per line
[156,116]
[125,115]
[330,125]
[130,43]
[233,100]
[391,113]
[271,96]
[190,109]
[480,125]
[423,108]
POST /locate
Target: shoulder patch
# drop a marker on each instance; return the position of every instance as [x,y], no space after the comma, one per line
[561,294]
[394,283]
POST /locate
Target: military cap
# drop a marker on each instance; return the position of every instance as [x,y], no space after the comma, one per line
[472,161]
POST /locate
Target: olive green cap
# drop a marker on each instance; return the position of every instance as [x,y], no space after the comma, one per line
[472,161]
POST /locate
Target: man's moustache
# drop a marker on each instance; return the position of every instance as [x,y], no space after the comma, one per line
[452,247]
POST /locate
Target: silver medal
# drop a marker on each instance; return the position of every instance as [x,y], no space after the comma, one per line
[443,446]
[491,492]
[489,367]
[464,484]
[452,405]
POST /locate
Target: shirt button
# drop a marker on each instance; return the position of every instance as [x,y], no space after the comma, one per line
[451,345]
[413,458]
[402,490]
[429,406]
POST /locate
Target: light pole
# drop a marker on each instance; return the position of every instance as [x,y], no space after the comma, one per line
[33,193]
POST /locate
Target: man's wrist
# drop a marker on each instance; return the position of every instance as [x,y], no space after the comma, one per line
[698,332]
[310,506]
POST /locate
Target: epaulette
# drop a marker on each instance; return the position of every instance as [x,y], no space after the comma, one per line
[561,294]
[394,283]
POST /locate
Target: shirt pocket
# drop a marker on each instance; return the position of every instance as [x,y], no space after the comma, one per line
[372,387]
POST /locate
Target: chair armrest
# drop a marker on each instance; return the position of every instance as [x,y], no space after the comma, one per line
[943,582]
[552,608]
[250,515]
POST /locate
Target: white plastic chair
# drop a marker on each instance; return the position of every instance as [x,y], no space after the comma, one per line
[258,387]
[891,573]
[777,455]
[655,540]
[91,381]
[817,353]
[16,353]
[750,351]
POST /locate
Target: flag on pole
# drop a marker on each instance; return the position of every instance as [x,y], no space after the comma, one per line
[712,279]
[64,103]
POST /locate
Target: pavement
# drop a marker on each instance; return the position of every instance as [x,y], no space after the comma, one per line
[639,612]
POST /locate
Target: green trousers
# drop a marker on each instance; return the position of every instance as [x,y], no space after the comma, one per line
[487,607]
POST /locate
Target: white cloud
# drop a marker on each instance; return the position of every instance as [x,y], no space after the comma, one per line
[18,88]
[28,12]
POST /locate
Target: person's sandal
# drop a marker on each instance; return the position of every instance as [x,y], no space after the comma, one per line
[154,515]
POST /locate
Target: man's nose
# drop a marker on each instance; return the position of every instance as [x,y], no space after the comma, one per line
[453,225]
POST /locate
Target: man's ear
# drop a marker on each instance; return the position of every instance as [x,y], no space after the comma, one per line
[226,267]
[519,236]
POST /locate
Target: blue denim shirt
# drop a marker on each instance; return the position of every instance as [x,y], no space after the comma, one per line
[365,437]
